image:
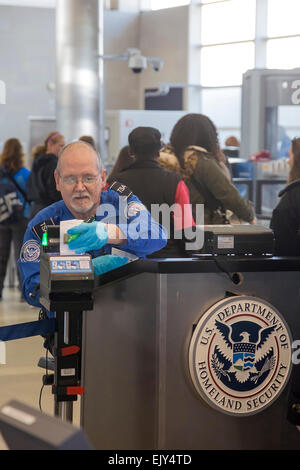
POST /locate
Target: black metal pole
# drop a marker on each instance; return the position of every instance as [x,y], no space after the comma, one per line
[67,362]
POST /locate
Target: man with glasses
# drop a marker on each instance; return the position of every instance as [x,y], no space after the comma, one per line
[113,218]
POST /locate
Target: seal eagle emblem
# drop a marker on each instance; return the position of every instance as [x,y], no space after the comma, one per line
[240,355]
[251,347]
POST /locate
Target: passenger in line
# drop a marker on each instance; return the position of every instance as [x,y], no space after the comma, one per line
[12,233]
[123,162]
[155,186]
[232,147]
[80,178]
[193,154]
[285,221]
[41,188]
[37,150]
[89,139]
[232,141]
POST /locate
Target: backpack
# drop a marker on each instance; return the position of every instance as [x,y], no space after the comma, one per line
[11,208]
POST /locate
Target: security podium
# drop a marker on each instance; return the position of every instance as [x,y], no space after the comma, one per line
[192,354]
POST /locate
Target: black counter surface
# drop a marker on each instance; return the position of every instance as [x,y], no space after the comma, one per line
[201,264]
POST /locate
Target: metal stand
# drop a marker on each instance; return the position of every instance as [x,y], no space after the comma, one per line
[67,363]
[66,288]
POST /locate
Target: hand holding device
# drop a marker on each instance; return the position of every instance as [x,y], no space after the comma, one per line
[92,236]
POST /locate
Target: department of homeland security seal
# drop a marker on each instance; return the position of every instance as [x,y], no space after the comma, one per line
[240,355]
[30,251]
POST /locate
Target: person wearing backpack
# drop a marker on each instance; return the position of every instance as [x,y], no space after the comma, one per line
[41,188]
[194,154]
[14,207]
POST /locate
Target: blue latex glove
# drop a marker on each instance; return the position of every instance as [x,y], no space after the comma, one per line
[92,236]
[106,263]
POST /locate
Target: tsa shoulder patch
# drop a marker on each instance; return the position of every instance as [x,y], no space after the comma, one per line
[30,251]
[121,189]
[40,229]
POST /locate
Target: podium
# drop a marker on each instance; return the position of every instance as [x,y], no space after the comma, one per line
[139,391]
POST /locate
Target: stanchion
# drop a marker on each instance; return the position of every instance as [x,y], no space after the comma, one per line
[67,363]
[66,288]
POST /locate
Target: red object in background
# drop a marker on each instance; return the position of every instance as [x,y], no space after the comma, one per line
[183,217]
[260,156]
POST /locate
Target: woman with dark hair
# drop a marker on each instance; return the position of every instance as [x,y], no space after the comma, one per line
[124,161]
[89,139]
[194,153]
[294,161]
[41,189]
[12,159]
[285,221]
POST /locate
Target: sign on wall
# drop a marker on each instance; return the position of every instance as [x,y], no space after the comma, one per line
[240,355]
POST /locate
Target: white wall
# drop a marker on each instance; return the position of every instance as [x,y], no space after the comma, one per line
[161,33]
[27,60]
[165,34]
[27,64]
[121,30]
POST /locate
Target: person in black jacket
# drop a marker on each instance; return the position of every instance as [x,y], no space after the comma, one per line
[285,221]
[154,185]
[41,187]
[123,161]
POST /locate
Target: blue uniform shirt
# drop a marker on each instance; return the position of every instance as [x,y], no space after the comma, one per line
[144,235]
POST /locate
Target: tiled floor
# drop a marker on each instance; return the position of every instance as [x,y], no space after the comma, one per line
[20,377]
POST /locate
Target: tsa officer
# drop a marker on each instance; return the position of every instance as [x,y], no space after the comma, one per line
[117,218]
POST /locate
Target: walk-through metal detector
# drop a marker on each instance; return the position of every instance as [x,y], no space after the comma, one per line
[270,111]
[66,290]
[270,120]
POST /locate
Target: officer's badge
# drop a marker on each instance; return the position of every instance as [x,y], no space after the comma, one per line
[133,208]
[30,251]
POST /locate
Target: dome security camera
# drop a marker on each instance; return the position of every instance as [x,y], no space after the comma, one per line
[137,63]
[156,64]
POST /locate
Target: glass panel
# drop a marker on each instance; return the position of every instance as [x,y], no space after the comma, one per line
[228,22]
[289,116]
[283,17]
[283,53]
[225,65]
[288,128]
[282,125]
[223,106]
[160,4]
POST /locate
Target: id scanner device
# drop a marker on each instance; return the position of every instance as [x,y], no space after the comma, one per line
[237,240]
[66,281]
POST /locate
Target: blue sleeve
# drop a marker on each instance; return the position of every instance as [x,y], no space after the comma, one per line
[144,235]
[29,267]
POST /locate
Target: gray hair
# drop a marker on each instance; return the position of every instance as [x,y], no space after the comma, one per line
[86,144]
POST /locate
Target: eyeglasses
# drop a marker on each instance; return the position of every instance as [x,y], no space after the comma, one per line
[85,180]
